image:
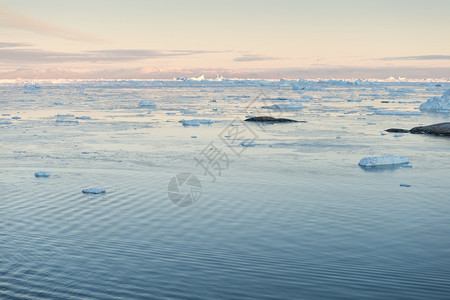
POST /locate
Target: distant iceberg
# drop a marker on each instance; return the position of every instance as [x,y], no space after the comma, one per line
[383,161]
[437,104]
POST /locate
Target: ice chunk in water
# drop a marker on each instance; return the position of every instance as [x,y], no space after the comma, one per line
[147,104]
[42,174]
[383,161]
[94,191]
[83,118]
[437,104]
[285,106]
[195,122]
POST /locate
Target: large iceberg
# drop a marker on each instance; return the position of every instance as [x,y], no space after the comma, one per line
[383,161]
[437,104]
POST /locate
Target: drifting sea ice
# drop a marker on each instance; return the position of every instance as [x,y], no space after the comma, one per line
[383,161]
[147,104]
[195,122]
[437,104]
[42,174]
[284,106]
[94,191]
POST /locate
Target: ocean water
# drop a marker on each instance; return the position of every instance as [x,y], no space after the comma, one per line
[292,217]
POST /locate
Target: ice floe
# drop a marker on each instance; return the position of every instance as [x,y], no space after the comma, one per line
[383,161]
[195,122]
[284,106]
[147,104]
[437,104]
[94,191]
[42,174]
[83,118]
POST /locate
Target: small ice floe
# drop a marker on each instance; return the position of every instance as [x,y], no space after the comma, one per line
[195,122]
[19,151]
[64,116]
[171,113]
[42,174]
[397,113]
[188,112]
[384,160]
[16,118]
[83,118]
[398,135]
[66,121]
[437,104]
[284,106]
[248,144]
[405,185]
[147,104]
[193,136]
[4,122]
[6,115]
[94,191]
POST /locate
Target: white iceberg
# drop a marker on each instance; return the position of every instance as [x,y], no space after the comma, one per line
[42,174]
[383,161]
[437,104]
[147,104]
[94,191]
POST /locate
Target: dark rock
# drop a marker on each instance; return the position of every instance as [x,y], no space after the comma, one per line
[397,130]
[437,129]
[267,119]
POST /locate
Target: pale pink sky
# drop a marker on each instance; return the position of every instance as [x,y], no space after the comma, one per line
[135,38]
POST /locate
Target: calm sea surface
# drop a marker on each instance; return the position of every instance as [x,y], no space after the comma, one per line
[292,217]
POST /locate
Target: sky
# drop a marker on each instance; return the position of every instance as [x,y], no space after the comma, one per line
[282,38]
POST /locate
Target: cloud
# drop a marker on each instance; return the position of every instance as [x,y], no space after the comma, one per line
[38,56]
[250,57]
[13,20]
[13,45]
[420,57]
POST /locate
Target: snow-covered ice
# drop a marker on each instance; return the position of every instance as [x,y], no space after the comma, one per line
[437,104]
[383,161]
